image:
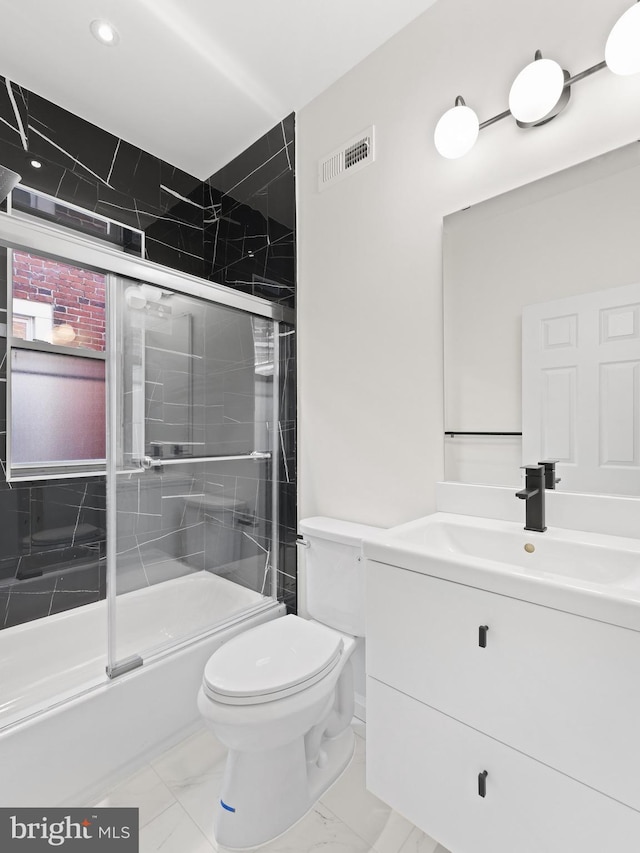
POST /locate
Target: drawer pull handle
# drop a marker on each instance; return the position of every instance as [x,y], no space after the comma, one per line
[482,636]
[482,783]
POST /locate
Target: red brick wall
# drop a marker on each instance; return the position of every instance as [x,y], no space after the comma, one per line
[77,295]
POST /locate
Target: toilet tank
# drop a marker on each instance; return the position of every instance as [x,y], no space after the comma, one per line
[335,578]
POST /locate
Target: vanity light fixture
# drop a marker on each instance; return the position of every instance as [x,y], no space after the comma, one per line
[104,32]
[541,90]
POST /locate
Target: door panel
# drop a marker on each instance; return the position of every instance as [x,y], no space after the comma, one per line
[190,465]
[581,389]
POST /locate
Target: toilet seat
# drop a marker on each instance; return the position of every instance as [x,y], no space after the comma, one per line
[273,660]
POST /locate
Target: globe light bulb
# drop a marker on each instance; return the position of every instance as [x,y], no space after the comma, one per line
[536,91]
[457,131]
[622,51]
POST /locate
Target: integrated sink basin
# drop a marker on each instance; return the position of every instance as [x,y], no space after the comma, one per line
[590,574]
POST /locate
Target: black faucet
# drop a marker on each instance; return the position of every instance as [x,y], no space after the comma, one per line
[533,494]
[550,478]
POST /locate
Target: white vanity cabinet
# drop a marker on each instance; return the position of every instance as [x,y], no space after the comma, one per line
[496,724]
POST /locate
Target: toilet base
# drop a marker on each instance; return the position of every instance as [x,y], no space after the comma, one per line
[265,792]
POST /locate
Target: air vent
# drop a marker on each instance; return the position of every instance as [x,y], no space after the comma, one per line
[354,155]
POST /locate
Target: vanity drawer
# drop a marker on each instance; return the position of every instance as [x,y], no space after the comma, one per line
[559,687]
[426,766]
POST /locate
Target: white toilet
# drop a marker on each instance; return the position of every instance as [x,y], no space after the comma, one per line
[280,696]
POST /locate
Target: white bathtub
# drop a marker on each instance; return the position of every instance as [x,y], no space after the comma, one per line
[67,727]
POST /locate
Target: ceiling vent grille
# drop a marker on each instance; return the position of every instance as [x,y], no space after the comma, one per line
[354,155]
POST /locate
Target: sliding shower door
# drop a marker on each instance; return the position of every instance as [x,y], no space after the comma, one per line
[192,509]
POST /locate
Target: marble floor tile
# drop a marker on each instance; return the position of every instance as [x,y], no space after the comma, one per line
[173,832]
[373,820]
[189,760]
[418,842]
[145,790]
[320,831]
[193,772]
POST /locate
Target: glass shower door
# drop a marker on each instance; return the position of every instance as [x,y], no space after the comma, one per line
[192,512]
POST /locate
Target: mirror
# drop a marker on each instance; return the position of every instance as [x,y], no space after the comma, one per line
[564,254]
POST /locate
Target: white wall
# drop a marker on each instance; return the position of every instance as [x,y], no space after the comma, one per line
[369,248]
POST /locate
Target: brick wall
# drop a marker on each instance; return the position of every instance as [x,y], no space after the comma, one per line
[77,295]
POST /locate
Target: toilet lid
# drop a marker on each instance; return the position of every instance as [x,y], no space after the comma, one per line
[272,658]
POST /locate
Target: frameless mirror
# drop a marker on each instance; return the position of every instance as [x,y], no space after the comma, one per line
[542,330]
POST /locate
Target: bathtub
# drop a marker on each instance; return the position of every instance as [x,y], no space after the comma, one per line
[66,727]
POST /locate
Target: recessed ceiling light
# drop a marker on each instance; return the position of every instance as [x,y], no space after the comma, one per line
[104,32]
[36,164]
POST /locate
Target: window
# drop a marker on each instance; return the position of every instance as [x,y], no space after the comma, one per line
[32,321]
[63,305]
[57,368]
[65,393]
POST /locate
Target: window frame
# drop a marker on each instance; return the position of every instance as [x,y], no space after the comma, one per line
[38,317]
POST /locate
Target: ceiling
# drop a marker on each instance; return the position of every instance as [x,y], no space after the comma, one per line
[194,82]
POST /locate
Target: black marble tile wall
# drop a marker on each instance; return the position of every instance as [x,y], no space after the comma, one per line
[237,229]
[89,167]
[179,519]
[250,226]
[52,547]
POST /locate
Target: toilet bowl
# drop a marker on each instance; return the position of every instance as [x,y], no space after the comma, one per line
[280,697]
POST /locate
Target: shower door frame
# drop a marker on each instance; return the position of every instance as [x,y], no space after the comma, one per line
[66,246]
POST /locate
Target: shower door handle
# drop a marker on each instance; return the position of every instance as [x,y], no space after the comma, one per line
[149,462]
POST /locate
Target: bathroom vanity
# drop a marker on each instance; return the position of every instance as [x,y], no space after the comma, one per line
[503,696]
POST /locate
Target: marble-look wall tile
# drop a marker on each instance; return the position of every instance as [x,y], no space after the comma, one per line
[69,140]
[250,239]
[52,547]
[237,228]
[14,114]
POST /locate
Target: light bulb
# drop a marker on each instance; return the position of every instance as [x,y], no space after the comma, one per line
[537,92]
[63,334]
[104,32]
[457,131]
[622,51]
